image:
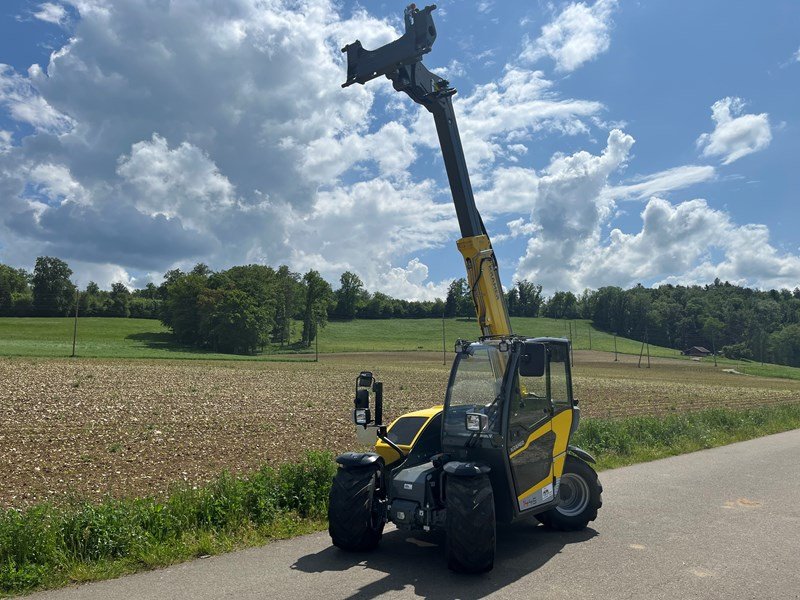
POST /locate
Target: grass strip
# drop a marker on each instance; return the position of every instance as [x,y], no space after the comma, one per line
[50,546]
[620,442]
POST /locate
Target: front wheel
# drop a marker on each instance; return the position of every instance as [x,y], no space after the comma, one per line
[355,521]
[580,497]
[470,524]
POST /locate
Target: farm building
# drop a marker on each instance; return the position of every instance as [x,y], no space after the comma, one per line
[696,351]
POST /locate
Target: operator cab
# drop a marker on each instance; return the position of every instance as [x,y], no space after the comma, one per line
[509,404]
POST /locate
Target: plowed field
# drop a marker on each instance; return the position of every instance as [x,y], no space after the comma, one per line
[88,428]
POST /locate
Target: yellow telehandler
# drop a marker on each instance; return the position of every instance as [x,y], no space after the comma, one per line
[498,449]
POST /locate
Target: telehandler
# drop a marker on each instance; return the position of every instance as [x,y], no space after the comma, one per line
[498,449]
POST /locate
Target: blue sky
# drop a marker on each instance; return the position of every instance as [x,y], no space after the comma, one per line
[609,142]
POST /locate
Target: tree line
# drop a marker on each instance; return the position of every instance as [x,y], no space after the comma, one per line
[738,322]
[244,308]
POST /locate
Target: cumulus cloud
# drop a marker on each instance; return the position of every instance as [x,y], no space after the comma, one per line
[675,245]
[181,182]
[365,226]
[51,13]
[198,131]
[569,209]
[25,105]
[499,114]
[572,206]
[578,34]
[6,141]
[735,135]
[56,183]
[412,282]
[103,274]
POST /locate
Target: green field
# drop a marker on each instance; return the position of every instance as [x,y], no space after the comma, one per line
[148,338]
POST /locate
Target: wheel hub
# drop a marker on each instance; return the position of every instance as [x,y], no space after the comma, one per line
[573,495]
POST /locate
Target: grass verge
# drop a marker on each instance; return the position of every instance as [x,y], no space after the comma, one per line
[50,546]
[616,443]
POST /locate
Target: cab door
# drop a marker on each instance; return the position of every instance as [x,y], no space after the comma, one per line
[540,417]
[560,389]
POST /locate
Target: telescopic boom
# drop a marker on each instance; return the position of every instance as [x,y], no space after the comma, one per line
[401,62]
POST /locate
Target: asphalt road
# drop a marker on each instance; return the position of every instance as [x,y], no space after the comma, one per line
[722,523]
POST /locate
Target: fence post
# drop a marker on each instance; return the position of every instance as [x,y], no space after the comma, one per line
[75,327]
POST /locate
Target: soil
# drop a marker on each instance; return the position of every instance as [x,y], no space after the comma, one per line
[92,428]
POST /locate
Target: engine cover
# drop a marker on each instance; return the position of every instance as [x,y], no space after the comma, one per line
[412,483]
[413,497]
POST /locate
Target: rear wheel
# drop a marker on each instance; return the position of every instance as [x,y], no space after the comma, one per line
[355,519]
[580,497]
[470,524]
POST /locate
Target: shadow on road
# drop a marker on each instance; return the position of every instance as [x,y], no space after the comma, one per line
[419,562]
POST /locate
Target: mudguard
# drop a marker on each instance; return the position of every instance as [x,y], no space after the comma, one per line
[354,460]
[582,454]
[465,469]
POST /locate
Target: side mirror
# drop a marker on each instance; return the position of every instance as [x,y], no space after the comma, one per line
[476,421]
[533,359]
[361,413]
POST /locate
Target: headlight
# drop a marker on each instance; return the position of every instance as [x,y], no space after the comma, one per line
[477,421]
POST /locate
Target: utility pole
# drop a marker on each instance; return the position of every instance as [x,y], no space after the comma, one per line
[316,338]
[615,348]
[647,339]
[444,342]
[714,348]
[590,338]
[75,327]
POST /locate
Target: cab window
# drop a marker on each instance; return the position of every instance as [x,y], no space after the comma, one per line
[529,403]
[559,390]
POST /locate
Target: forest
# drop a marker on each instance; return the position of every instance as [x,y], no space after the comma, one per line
[243,308]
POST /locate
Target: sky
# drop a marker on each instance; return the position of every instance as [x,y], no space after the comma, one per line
[608,142]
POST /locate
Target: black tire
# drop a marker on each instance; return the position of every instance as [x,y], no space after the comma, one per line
[471,527]
[355,522]
[580,497]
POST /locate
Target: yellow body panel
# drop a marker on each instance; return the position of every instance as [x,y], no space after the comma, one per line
[560,425]
[484,278]
[388,453]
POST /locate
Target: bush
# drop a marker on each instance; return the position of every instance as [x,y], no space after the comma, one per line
[737,351]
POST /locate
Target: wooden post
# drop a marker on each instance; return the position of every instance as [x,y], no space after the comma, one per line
[75,327]
[444,343]
[714,349]
[615,348]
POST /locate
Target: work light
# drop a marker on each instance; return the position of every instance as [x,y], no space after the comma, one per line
[361,416]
